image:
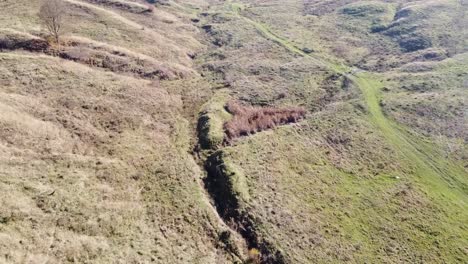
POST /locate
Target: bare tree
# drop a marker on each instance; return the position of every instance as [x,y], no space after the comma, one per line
[51,14]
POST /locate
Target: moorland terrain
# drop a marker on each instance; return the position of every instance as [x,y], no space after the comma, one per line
[211,131]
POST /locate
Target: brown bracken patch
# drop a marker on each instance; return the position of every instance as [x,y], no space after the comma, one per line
[248,120]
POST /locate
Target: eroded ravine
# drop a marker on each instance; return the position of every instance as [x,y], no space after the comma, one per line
[226,185]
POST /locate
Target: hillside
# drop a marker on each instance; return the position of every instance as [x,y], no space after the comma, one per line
[206,131]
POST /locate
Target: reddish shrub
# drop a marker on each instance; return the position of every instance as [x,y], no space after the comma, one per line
[249,120]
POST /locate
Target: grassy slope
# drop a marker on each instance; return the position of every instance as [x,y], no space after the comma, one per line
[106,175]
[109,193]
[428,161]
[95,166]
[443,180]
[415,193]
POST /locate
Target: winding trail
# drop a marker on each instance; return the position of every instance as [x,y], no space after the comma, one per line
[236,10]
[434,171]
[442,177]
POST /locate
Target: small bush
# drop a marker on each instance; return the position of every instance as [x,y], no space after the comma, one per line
[249,120]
